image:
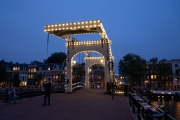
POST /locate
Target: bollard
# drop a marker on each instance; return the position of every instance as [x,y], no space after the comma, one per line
[112,93]
[40,90]
[6,100]
[21,94]
[130,100]
[32,92]
[125,90]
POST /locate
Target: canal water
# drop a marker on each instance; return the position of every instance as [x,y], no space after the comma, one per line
[171,106]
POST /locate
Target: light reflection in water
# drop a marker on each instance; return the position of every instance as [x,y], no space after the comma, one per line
[172,106]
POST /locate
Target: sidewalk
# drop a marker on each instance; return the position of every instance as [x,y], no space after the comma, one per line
[85,104]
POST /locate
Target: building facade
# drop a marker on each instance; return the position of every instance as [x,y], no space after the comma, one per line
[28,72]
[96,76]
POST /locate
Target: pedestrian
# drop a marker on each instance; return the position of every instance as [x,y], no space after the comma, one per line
[11,93]
[47,87]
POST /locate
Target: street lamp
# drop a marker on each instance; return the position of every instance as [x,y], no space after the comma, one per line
[74,62]
[101,61]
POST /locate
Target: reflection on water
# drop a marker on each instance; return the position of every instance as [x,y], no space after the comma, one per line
[171,106]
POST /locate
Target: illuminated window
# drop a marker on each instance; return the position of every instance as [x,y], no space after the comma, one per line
[16,68]
[30,76]
[151,76]
[155,76]
[23,83]
[34,70]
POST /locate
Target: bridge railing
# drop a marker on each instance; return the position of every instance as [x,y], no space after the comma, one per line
[22,94]
[143,109]
[77,86]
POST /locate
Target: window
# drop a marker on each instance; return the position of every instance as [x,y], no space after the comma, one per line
[49,68]
[57,66]
[34,70]
[24,68]
[16,68]
[40,68]
[155,76]
[95,67]
[30,76]
[151,77]
[8,69]
[176,65]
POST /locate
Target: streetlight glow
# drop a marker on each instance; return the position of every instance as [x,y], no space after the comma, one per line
[74,62]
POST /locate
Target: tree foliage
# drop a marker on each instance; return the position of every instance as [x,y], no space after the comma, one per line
[132,66]
[57,57]
[16,81]
[3,72]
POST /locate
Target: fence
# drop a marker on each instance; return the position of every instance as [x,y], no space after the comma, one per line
[144,110]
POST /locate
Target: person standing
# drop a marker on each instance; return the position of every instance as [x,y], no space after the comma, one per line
[11,93]
[47,87]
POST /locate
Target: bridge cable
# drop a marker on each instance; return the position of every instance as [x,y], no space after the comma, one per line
[47,43]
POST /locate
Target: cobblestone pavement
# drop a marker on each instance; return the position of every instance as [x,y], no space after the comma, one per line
[85,104]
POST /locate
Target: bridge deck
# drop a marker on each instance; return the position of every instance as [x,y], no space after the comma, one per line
[85,104]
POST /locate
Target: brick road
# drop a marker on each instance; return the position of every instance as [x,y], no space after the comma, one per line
[85,104]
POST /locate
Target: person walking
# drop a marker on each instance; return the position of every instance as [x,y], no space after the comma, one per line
[11,93]
[47,87]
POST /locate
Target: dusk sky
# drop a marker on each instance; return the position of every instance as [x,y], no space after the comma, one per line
[149,28]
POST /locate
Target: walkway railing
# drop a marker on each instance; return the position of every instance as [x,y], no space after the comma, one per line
[143,109]
[22,94]
[77,86]
[29,93]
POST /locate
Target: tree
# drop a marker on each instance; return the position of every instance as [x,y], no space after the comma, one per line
[57,57]
[38,78]
[16,81]
[3,72]
[164,73]
[133,66]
